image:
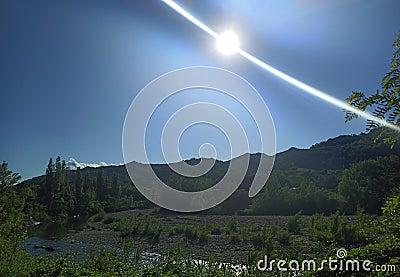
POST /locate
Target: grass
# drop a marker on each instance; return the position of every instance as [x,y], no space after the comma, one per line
[240,239]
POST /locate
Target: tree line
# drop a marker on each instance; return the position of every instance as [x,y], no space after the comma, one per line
[64,193]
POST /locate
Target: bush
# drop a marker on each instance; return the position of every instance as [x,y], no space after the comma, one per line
[99,217]
[283,237]
[191,232]
[216,230]
[108,220]
[256,240]
[293,223]
[235,238]
[342,231]
[318,228]
[202,236]
[391,211]
[232,224]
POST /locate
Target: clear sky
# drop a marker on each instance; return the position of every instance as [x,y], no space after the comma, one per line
[69,69]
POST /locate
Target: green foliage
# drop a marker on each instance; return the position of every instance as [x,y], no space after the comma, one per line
[108,220]
[115,187]
[138,224]
[385,104]
[368,226]
[266,239]
[202,235]
[318,228]
[62,193]
[184,183]
[194,233]
[304,180]
[7,177]
[293,223]
[13,259]
[283,237]
[335,229]
[367,183]
[101,181]
[235,237]
[215,230]
[364,236]
[386,248]
[283,196]
[232,224]
[237,202]
[99,217]
[391,211]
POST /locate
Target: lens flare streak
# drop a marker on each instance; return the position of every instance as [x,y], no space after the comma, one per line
[190,17]
[313,91]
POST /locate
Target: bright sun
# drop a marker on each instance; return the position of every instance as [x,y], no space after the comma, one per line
[228,43]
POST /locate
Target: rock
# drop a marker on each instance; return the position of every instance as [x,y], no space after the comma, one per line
[34,222]
[50,248]
[47,248]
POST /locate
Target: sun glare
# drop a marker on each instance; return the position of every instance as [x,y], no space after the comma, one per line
[228,43]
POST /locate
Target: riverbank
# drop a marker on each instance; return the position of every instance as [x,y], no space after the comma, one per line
[221,244]
[237,239]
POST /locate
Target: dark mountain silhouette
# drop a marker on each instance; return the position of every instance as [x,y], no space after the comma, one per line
[334,154]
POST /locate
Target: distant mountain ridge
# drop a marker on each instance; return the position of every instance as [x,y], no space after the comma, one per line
[314,180]
[334,154]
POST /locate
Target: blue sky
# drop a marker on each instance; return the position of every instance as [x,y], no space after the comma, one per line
[69,69]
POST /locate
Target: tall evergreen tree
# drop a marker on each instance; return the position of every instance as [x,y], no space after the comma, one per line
[79,192]
[46,193]
[88,189]
[101,183]
[7,177]
[89,194]
[115,187]
[62,201]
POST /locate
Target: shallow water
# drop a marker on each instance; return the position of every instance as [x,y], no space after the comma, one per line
[57,230]
[60,246]
[55,235]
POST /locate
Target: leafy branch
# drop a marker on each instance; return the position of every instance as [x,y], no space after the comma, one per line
[385,104]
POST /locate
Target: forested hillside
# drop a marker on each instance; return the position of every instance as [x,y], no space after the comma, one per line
[343,173]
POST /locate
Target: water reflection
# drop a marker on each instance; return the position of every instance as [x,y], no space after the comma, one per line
[58,230]
[37,247]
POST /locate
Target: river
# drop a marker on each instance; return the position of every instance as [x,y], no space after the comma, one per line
[53,238]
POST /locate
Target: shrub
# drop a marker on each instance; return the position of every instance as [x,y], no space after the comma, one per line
[108,220]
[318,228]
[235,238]
[293,223]
[283,237]
[99,217]
[256,239]
[191,232]
[202,236]
[232,224]
[216,230]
